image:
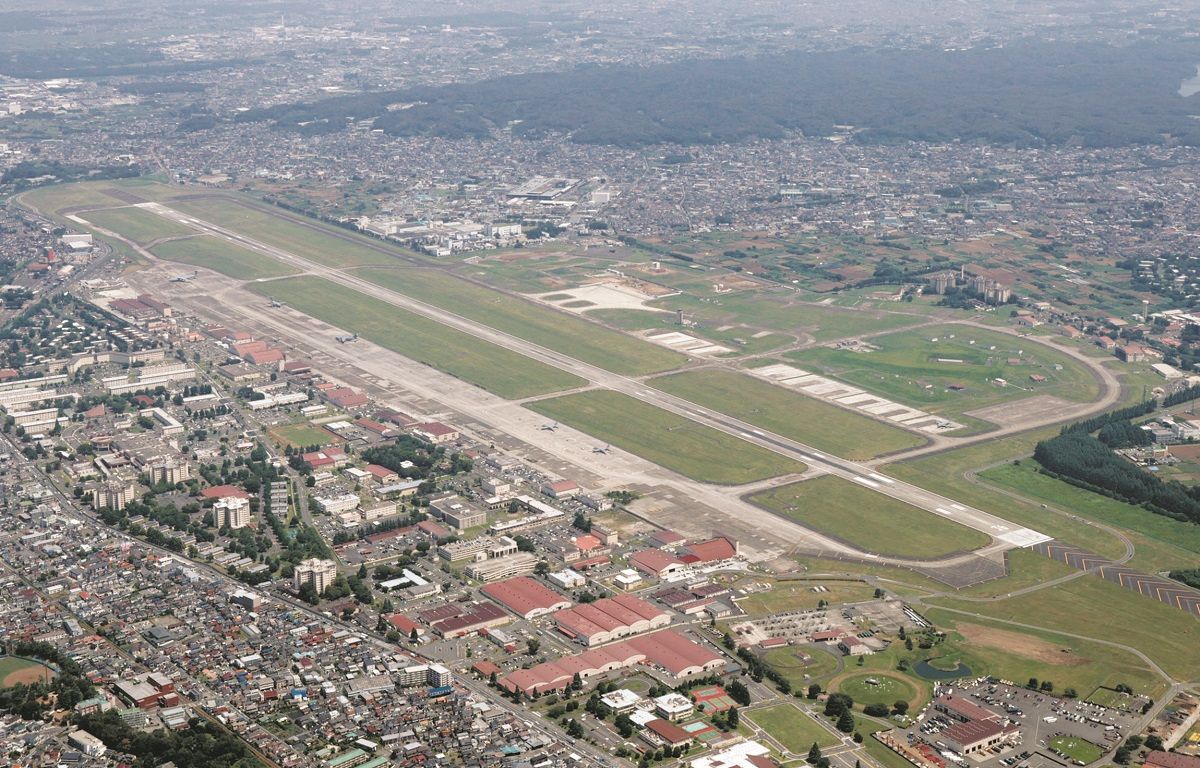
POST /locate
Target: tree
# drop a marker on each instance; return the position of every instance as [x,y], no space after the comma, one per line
[733,718]
[814,690]
[738,692]
[845,722]
[876,710]
[900,707]
[837,703]
[574,729]
[532,645]
[814,754]
[413,636]
[1154,742]
[1032,684]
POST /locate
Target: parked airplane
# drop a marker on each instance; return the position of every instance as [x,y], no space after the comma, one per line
[276,303]
[601,449]
[551,426]
[347,339]
[184,277]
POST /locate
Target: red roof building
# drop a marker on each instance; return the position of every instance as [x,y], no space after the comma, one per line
[666,732]
[655,562]
[223,492]
[713,550]
[525,597]
[436,432]
[1160,759]
[344,397]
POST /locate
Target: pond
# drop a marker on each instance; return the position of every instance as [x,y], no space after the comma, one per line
[928,671]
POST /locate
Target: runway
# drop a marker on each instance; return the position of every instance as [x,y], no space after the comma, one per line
[1005,534]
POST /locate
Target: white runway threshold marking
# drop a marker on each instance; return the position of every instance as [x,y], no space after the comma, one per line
[865,481]
[1024,537]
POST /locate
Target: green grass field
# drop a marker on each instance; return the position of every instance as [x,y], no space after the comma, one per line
[885,689]
[910,368]
[300,435]
[572,335]
[799,595]
[307,239]
[800,673]
[1161,543]
[224,257]
[136,224]
[1096,608]
[677,443]
[58,197]
[792,728]
[486,365]
[868,520]
[790,414]
[1076,749]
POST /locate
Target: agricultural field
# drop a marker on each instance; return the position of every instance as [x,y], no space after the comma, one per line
[224,257]
[584,340]
[867,520]
[952,370]
[15,670]
[875,688]
[800,595]
[135,224]
[672,441]
[792,728]
[485,365]
[307,239]
[788,413]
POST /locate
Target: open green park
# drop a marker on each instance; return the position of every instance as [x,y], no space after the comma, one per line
[788,413]
[498,370]
[672,441]
[953,369]
[582,339]
[792,728]
[868,520]
[136,224]
[302,435]
[876,688]
[307,239]
[803,594]
[222,256]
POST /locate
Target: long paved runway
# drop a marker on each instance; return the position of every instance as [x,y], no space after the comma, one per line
[1007,535]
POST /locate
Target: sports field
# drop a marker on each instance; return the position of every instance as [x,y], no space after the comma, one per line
[486,365]
[674,442]
[307,239]
[579,338]
[805,419]
[868,520]
[951,369]
[224,257]
[792,728]
[14,671]
[302,435]
[136,224]
[876,688]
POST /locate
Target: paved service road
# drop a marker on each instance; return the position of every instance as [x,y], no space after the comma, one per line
[1006,535]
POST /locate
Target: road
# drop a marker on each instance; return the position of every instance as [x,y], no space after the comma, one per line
[1005,535]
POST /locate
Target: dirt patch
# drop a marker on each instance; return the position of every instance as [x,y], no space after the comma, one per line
[1022,645]
[27,676]
[1027,410]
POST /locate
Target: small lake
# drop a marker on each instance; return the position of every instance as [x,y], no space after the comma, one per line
[1191,86]
[926,670]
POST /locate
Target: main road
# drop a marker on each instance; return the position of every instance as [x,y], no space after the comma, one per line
[1006,535]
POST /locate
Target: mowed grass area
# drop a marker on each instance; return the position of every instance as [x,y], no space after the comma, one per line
[224,257]
[911,368]
[793,729]
[306,239]
[1077,749]
[790,662]
[302,435]
[58,197]
[485,365]
[674,442]
[572,335]
[875,688]
[135,224]
[1161,543]
[869,520]
[1093,607]
[788,413]
[14,670]
[800,595]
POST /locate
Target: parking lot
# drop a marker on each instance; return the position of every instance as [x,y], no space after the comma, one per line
[1040,718]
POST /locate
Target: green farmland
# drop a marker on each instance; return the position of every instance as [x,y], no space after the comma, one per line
[674,442]
[485,365]
[805,419]
[221,256]
[542,325]
[869,520]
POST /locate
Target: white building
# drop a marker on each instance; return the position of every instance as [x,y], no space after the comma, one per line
[87,743]
[232,512]
[333,505]
[320,573]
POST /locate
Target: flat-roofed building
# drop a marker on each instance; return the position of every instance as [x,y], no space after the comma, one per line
[232,512]
[316,571]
